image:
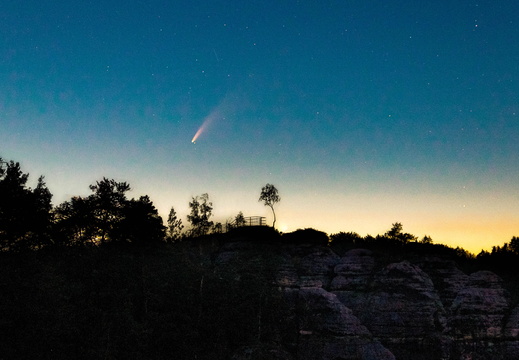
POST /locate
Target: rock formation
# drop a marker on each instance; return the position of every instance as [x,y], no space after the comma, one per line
[355,307]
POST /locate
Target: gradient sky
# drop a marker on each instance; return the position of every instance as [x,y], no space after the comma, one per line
[362,113]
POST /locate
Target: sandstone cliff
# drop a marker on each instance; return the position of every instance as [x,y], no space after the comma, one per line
[358,306]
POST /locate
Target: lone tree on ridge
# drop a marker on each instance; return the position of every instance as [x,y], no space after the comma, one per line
[269,196]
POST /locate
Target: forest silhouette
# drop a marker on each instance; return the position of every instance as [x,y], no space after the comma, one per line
[29,221]
[101,276]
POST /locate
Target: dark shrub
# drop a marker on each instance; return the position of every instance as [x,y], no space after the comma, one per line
[306,236]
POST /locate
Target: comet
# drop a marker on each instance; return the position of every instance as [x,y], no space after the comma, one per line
[219,112]
[216,113]
[201,129]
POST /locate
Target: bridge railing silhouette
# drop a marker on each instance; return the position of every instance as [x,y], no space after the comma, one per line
[248,221]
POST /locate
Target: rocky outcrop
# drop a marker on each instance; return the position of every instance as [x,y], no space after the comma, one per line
[261,352]
[479,309]
[329,330]
[316,268]
[512,325]
[354,307]
[353,271]
[404,307]
[511,334]
[448,279]
[307,266]
[353,275]
[398,304]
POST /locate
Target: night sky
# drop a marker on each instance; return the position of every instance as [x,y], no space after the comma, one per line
[361,113]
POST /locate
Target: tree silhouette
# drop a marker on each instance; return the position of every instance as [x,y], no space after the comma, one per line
[396,234]
[269,196]
[514,245]
[74,222]
[201,211]
[107,216]
[140,222]
[217,228]
[239,220]
[42,215]
[174,228]
[426,240]
[108,201]
[24,213]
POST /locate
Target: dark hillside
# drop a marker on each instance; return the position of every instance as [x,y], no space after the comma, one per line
[255,294]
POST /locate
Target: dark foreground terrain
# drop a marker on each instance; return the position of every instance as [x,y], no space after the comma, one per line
[253,294]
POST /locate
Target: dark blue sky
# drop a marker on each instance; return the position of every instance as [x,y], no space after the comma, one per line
[362,113]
